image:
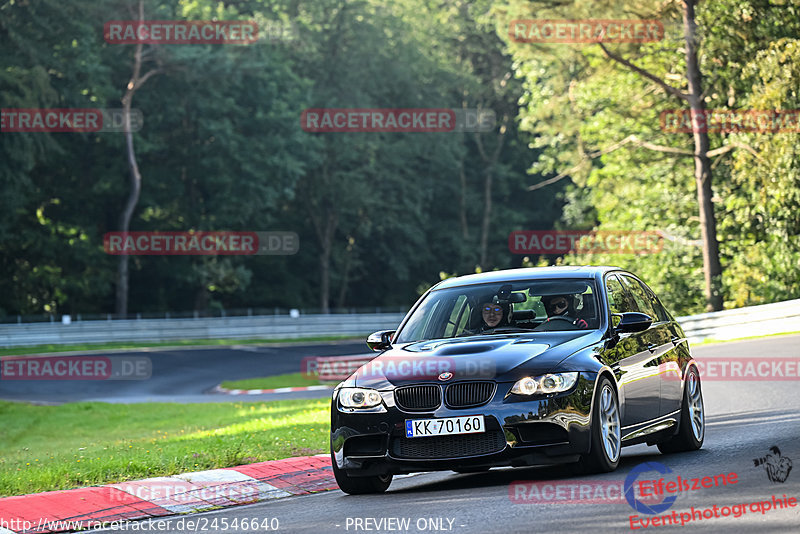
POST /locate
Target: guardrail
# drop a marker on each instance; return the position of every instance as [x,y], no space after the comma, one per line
[157,330]
[773,318]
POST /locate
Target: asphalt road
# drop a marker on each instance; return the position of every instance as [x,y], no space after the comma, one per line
[744,420]
[184,375]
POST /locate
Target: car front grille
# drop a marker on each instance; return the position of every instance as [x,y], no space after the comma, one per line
[457,446]
[418,398]
[468,394]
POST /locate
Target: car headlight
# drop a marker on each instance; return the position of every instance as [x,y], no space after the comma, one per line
[550,383]
[359,397]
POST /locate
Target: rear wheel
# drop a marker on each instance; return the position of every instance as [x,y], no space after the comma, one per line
[691,431]
[360,485]
[606,442]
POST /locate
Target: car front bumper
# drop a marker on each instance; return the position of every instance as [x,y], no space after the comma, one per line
[519,431]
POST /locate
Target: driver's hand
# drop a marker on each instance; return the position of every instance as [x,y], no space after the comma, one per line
[580,323]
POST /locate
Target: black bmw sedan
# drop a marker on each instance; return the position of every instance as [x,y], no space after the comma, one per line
[516,368]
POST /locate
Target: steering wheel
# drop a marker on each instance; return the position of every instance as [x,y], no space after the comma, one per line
[566,318]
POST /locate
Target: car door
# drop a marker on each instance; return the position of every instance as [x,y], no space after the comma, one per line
[675,347]
[656,338]
[635,363]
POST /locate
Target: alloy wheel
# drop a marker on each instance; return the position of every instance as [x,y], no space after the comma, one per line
[609,423]
[696,406]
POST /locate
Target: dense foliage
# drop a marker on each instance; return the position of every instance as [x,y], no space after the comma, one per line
[381,216]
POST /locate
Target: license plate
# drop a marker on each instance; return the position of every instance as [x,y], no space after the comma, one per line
[468,424]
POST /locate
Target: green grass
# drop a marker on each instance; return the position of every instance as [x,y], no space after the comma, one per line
[713,341]
[41,349]
[80,444]
[272,382]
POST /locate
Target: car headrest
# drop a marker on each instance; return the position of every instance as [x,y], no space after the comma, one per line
[524,315]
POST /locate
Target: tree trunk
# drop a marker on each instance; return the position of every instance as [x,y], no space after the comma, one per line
[712,268]
[462,201]
[489,160]
[346,272]
[325,276]
[324,220]
[130,205]
[136,81]
[487,213]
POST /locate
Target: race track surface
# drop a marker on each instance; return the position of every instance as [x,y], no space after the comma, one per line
[744,420]
[185,375]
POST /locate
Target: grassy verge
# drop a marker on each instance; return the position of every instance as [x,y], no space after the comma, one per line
[80,444]
[41,349]
[271,382]
[714,341]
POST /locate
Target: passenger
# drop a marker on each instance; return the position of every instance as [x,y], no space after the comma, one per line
[492,314]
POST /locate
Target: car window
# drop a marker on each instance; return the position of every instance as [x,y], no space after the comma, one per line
[661,312]
[586,308]
[518,307]
[643,301]
[619,301]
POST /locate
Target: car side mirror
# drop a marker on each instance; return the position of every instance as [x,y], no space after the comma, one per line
[381,340]
[632,322]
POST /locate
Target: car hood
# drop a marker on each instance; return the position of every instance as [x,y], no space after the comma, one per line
[503,358]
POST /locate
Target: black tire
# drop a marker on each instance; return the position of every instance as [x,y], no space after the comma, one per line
[598,460]
[360,485]
[687,439]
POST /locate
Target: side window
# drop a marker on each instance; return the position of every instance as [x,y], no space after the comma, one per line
[618,299]
[643,301]
[587,308]
[661,311]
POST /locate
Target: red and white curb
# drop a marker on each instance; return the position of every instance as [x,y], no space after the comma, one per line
[220,389]
[57,511]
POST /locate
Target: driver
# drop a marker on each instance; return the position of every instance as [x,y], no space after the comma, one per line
[563,306]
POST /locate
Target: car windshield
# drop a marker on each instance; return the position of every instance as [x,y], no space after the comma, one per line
[503,307]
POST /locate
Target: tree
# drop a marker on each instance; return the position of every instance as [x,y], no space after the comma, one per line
[137,80]
[656,71]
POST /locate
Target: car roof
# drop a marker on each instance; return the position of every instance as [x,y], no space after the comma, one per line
[529,273]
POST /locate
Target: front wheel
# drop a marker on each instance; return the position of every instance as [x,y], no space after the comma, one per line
[606,442]
[691,431]
[360,485]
